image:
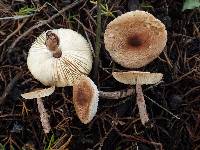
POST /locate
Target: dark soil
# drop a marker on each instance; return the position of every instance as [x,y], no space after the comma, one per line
[116,124]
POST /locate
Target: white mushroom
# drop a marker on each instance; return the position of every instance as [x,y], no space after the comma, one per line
[39,93]
[59,56]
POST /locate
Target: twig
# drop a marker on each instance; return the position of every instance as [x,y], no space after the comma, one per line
[13,33]
[10,115]
[89,41]
[44,117]
[167,59]
[44,22]
[9,87]
[84,27]
[62,143]
[162,107]
[141,105]
[66,144]
[98,43]
[191,90]
[116,94]
[181,77]
[139,139]
[17,17]
[90,16]
[102,140]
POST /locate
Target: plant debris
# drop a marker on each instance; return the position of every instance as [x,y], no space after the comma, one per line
[117,123]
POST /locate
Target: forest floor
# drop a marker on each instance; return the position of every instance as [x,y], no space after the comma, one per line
[116,125]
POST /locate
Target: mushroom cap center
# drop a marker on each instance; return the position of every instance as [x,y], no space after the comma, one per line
[135,41]
[84,94]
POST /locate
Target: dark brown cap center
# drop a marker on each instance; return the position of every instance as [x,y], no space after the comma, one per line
[135,41]
[84,93]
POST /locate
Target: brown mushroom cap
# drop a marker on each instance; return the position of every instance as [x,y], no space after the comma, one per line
[134,39]
[137,77]
[85,99]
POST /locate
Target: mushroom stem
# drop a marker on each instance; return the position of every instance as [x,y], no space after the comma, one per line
[44,117]
[52,43]
[57,53]
[141,105]
[116,95]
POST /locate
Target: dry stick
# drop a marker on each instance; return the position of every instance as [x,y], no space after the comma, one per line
[13,33]
[9,87]
[141,105]
[98,43]
[162,107]
[139,139]
[62,143]
[4,116]
[84,27]
[44,117]
[44,22]
[66,144]
[16,17]
[116,94]
[191,90]
[180,78]
[168,60]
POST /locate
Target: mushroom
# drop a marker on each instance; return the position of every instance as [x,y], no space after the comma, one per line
[59,56]
[85,99]
[139,78]
[135,38]
[38,94]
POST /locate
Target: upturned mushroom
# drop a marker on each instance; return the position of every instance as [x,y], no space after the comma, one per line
[135,38]
[59,57]
[85,99]
[139,78]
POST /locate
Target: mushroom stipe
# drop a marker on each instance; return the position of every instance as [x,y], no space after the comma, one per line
[138,78]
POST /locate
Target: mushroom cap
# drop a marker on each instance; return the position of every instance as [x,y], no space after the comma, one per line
[137,77]
[39,93]
[85,99]
[134,39]
[76,59]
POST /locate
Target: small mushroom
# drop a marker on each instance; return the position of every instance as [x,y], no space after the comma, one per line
[135,38]
[85,99]
[59,56]
[38,94]
[139,78]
